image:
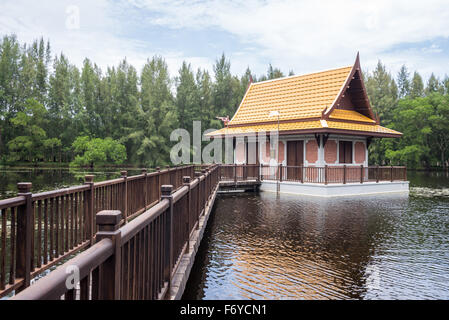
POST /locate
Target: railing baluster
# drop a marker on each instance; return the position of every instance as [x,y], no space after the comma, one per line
[24,235]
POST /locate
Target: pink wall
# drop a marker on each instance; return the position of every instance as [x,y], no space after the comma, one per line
[266,156]
[240,152]
[311,151]
[330,152]
[359,152]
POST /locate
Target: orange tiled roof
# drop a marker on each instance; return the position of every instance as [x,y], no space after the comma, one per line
[306,103]
[349,115]
[296,97]
[304,125]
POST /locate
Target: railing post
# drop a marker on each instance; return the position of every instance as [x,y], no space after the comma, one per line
[261,172]
[158,182]
[325,174]
[377,174]
[166,193]
[391,173]
[235,173]
[145,173]
[301,168]
[344,174]
[108,222]
[280,172]
[361,173]
[124,175]
[89,221]
[186,182]
[24,235]
[198,197]
[206,187]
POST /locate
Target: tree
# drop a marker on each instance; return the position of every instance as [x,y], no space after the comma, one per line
[92,152]
[417,86]
[403,82]
[157,116]
[64,104]
[29,145]
[223,93]
[187,97]
[9,87]
[382,91]
[274,73]
[205,99]
[433,85]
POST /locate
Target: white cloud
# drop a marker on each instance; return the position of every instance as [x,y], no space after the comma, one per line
[304,36]
[310,35]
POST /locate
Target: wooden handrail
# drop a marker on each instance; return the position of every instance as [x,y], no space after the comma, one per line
[101,267]
[54,285]
[63,221]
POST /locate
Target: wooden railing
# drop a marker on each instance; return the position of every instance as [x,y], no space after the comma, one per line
[321,175]
[137,260]
[40,230]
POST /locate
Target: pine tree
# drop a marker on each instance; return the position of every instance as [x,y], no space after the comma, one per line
[205,100]
[382,91]
[433,85]
[157,116]
[9,87]
[417,86]
[187,97]
[403,82]
[274,73]
[446,85]
[223,91]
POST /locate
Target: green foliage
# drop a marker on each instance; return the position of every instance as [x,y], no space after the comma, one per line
[50,110]
[29,145]
[93,152]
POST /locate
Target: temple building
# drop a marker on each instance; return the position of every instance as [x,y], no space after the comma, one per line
[322,119]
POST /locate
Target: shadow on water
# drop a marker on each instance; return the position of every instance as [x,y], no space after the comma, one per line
[259,246]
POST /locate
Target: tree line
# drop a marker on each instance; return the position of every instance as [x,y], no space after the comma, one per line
[419,110]
[52,111]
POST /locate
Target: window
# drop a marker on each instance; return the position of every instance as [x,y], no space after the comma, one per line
[345,152]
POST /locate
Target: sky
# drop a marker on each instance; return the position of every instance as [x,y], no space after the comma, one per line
[303,36]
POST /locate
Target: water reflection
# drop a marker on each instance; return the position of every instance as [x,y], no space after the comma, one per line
[45,179]
[258,246]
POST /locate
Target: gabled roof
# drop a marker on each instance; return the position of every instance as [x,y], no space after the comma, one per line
[337,96]
[295,97]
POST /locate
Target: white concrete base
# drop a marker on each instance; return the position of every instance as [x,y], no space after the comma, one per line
[336,190]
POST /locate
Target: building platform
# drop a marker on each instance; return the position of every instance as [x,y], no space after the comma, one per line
[336,189]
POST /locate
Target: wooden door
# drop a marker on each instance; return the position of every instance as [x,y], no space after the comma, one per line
[295,159]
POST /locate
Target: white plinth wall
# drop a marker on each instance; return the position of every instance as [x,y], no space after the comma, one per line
[335,190]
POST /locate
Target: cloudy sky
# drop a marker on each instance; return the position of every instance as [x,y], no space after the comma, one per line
[303,36]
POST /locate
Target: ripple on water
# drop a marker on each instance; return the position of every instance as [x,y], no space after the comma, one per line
[258,246]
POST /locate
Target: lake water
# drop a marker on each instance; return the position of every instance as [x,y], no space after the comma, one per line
[260,246]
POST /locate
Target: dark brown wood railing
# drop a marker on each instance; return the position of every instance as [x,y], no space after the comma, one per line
[321,175]
[40,230]
[139,259]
